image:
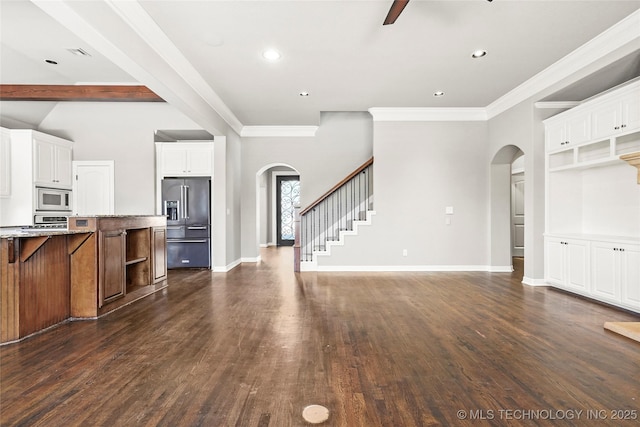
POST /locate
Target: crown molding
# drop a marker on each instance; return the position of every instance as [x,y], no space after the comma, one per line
[428,114]
[617,36]
[278,131]
[556,104]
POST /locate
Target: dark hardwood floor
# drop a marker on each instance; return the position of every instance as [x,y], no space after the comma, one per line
[254,346]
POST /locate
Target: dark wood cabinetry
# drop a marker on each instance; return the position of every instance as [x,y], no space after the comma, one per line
[130,255]
[34,291]
[99,265]
[111,278]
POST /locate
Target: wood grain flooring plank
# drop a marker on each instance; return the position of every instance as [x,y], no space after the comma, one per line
[255,346]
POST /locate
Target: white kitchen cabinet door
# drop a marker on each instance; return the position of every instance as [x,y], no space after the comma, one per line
[630,275]
[556,136]
[93,188]
[51,163]
[43,162]
[199,160]
[605,118]
[63,165]
[577,255]
[604,258]
[630,112]
[555,262]
[578,129]
[186,159]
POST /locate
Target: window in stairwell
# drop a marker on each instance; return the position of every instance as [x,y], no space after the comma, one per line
[288,196]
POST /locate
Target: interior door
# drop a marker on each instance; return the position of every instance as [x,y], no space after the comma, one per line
[288,196]
[93,188]
[517,214]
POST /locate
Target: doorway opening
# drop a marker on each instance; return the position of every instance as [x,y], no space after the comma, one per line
[287,197]
[507,209]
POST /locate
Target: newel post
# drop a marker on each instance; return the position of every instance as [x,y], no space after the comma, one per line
[296,241]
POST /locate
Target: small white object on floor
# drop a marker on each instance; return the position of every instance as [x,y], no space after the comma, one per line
[315,414]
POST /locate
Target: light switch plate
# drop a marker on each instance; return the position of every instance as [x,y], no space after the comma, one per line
[448,210]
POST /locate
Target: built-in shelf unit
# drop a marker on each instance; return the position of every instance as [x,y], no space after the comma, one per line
[592,239]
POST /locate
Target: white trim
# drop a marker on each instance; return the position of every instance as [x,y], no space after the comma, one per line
[251,259]
[517,171]
[620,34]
[264,245]
[534,282]
[556,104]
[500,269]
[400,268]
[227,267]
[278,131]
[428,114]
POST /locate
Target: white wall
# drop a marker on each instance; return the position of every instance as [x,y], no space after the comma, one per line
[421,168]
[122,132]
[342,143]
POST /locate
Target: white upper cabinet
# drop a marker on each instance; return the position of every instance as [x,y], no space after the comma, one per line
[616,116]
[572,131]
[52,161]
[185,158]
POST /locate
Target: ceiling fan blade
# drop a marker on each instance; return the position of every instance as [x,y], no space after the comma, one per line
[396,9]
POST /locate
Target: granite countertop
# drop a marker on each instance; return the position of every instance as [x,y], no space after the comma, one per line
[11,232]
[115,216]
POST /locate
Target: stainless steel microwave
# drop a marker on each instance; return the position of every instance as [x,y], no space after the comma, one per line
[53,199]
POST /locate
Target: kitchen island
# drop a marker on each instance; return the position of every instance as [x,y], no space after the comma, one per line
[99,264]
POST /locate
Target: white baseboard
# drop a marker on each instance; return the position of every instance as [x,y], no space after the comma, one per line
[501,269]
[400,268]
[534,282]
[264,245]
[251,259]
[227,267]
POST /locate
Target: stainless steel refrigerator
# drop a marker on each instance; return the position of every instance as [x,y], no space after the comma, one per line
[186,202]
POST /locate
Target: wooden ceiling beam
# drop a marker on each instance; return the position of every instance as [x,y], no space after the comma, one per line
[101,93]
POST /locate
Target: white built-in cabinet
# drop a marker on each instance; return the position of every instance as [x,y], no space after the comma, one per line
[51,161]
[567,261]
[592,238]
[36,159]
[185,158]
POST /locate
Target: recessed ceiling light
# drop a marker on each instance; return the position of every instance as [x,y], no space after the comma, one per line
[271,55]
[50,61]
[479,53]
[438,93]
[304,94]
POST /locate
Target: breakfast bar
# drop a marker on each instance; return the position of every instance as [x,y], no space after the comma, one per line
[96,265]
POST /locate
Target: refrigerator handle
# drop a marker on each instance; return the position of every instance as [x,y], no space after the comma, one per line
[186,204]
[181,205]
[164,208]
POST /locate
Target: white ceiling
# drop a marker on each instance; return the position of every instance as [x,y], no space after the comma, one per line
[206,55]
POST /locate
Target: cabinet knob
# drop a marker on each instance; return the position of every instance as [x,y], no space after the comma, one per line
[615,249]
[623,126]
[617,127]
[621,249]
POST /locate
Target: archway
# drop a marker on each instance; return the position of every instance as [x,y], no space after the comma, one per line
[265,201]
[501,219]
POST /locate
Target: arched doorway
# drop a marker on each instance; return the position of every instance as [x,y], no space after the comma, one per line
[269,215]
[502,215]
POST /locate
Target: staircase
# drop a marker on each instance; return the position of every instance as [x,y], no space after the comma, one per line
[334,215]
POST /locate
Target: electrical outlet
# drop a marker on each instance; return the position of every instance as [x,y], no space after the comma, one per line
[405,252]
[447,220]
